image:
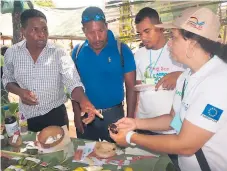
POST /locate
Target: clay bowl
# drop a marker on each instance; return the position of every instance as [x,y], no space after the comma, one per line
[50,131]
[105,150]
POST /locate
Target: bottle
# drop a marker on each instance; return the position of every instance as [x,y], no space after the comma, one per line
[11,124]
[23,124]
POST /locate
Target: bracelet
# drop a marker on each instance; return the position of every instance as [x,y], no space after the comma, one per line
[128,137]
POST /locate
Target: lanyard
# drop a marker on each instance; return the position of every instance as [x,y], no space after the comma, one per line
[152,68]
[184,86]
[183,90]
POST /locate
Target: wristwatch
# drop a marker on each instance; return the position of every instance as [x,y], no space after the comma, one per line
[128,137]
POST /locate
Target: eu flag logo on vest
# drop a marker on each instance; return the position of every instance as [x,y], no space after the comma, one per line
[213,113]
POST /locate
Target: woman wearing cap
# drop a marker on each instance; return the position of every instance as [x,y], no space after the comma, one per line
[199,112]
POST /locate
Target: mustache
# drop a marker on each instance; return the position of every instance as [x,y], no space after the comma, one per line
[98,42]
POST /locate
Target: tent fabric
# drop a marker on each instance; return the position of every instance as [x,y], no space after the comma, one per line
[60,22]
[65,23]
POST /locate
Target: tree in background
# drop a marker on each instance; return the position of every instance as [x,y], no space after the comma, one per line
[18,8]
[15,7]
[126,24]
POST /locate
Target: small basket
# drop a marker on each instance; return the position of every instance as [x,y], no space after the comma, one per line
[105,150]
[47,132]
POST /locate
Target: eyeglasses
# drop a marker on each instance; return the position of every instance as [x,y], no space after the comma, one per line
[97,17]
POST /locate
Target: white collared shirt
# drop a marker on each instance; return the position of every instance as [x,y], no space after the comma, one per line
[47,77]
[205,105]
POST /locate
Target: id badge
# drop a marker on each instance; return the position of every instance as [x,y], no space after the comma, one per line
[176,123]
[150,81]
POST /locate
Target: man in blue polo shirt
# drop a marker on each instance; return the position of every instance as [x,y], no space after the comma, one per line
[103,70]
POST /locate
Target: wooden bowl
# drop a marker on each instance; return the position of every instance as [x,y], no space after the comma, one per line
[52,131]
[105,149]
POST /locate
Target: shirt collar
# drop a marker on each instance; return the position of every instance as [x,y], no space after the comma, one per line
[111,38]
[213,63]
[22,44]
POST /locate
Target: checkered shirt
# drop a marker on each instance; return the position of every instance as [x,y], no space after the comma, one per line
[47,77]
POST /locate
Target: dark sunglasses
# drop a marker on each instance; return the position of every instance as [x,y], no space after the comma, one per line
[97,17]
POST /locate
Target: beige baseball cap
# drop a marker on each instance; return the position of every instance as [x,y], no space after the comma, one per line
[201,21]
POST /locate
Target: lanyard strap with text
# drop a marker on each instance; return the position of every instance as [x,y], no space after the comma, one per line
[152,68]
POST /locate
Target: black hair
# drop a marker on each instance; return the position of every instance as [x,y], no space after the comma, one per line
[3,50]
[209,46]
[151,13]
[30,13]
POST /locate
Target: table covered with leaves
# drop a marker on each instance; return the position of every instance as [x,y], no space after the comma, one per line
[62,158]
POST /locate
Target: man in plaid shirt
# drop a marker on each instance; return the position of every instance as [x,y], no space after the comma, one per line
[38,71]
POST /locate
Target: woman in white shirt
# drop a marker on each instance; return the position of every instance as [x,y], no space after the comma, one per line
[199,112]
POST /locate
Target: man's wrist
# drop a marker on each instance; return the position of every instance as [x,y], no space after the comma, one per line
[78,94]
[128,137]
[76,110]
[130,115]
[19,91]
[14,88]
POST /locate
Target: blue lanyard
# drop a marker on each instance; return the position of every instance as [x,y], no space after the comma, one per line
[152,68]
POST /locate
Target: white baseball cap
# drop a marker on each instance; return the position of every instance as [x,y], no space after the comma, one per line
[201,21]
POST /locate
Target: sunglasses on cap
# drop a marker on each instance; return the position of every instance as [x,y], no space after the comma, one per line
[97,17]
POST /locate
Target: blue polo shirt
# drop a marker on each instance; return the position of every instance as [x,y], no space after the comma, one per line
[103,74]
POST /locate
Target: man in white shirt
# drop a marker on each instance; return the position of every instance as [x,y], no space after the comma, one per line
[154,67]
[37,72]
